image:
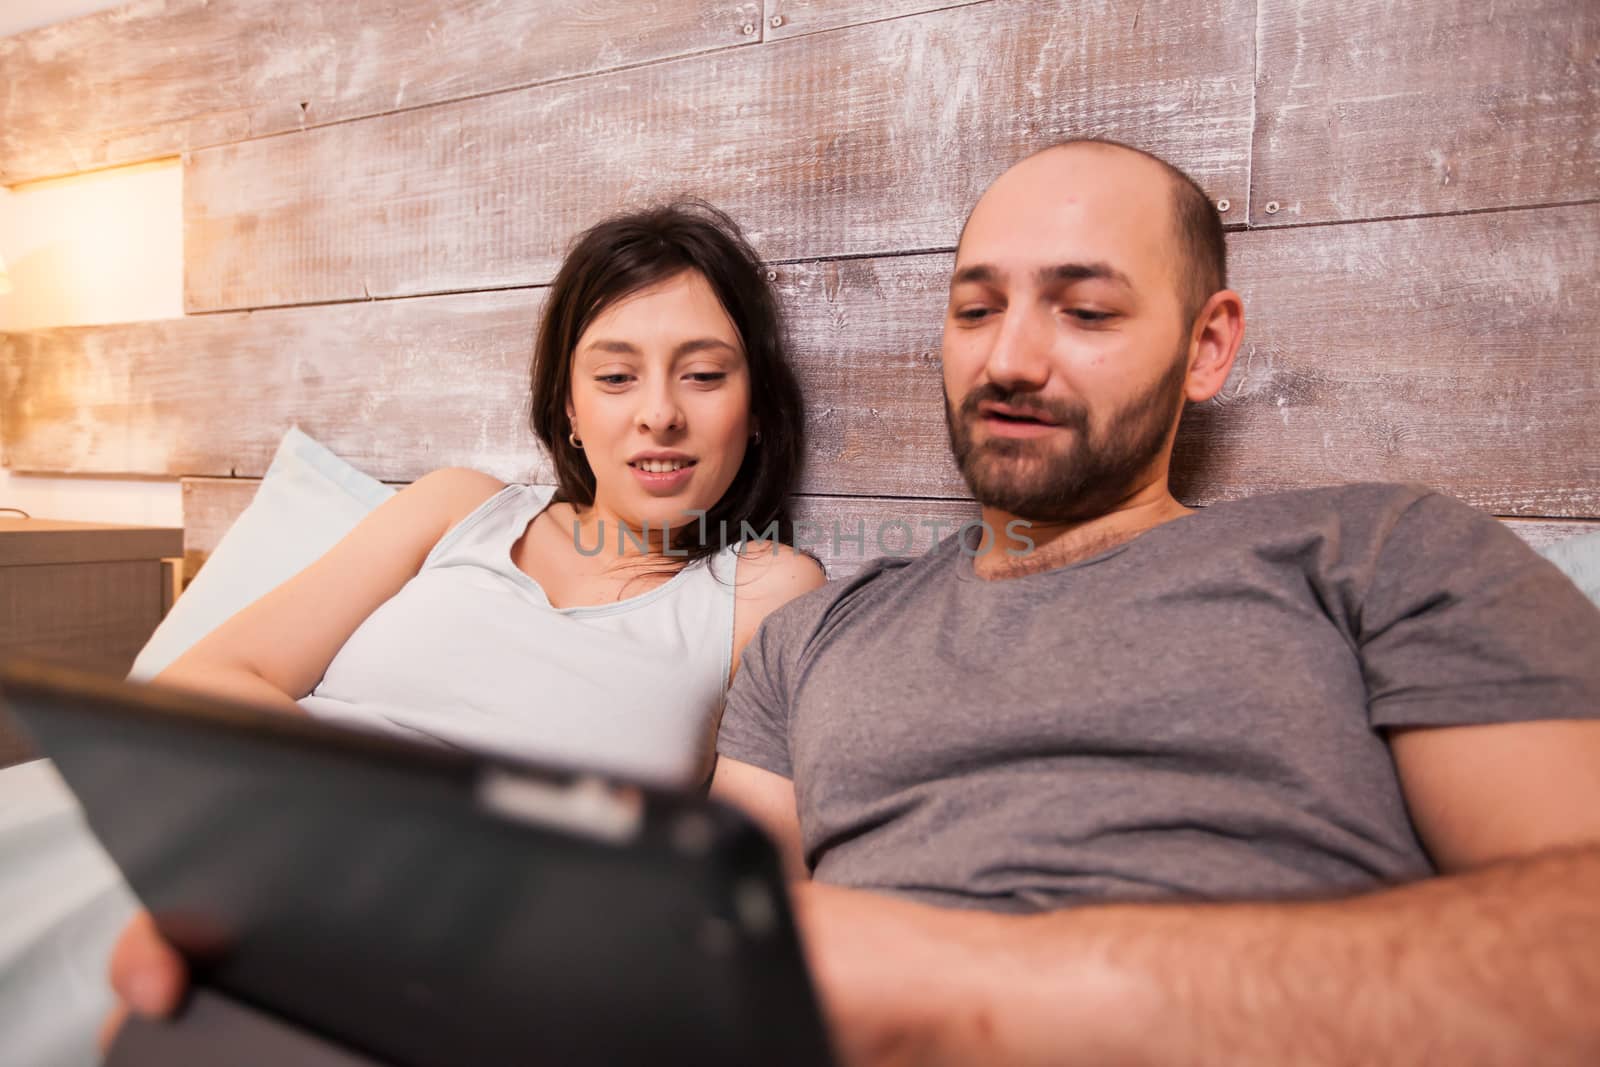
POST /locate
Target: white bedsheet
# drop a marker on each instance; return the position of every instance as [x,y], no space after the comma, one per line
[62,904]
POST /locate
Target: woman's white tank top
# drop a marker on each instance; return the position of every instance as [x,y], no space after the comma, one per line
[471,653]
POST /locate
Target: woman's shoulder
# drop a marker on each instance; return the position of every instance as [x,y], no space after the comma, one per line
[772,572]
[452,493]
[770,575]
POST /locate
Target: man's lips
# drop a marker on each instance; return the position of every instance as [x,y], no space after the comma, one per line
[1005,420]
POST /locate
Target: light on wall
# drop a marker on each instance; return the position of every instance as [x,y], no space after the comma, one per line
[94,248]
[5,279]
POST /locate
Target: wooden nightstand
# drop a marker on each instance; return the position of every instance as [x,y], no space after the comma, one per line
[85,594]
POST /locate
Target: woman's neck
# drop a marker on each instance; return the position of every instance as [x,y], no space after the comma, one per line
[618,539]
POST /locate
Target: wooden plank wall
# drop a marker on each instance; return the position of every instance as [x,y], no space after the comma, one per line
[375,195]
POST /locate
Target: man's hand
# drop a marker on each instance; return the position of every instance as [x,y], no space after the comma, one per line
[148,975]
[906,984]
[1494,966]
[860,947]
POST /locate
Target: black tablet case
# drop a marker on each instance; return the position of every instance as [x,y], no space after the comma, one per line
[423,907]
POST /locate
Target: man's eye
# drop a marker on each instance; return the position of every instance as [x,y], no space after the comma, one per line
[974,314]
[1083,315]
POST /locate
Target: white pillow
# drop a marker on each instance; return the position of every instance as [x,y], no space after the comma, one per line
[1579,558]
[308,500]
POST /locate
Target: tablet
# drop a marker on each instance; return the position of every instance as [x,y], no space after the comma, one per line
[425,907]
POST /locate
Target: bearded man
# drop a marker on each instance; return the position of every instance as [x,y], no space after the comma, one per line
[1301,778]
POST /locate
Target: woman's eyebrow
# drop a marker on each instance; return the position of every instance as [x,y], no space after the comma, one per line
[617,346]
[702,344]
[605,344]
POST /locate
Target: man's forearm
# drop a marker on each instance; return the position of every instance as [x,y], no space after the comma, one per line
[1498,966]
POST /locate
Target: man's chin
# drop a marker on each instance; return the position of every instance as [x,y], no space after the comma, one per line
[1013,495]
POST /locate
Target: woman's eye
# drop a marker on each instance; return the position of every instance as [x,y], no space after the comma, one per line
[612,379]
[708,376]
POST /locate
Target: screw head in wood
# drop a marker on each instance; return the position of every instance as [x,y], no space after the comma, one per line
[749,28]
[772,275]
[1272,207]
[1222,207]
[776,21]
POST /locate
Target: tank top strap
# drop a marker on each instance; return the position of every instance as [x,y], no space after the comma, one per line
[486,535]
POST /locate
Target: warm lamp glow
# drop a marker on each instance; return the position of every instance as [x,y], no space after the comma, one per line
[5,279]
[94,248]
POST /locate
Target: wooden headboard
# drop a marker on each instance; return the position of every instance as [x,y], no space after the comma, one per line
[371,211]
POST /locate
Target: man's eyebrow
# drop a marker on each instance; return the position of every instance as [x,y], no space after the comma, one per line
[1082,272]
[978,272]
[984,273]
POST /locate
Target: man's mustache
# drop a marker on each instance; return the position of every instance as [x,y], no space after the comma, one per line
[1027,405]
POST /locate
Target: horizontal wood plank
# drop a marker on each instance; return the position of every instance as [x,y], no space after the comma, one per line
[871,139]
[792,18]
[1373,109]
[161,77]
[1454,352]
[396,387]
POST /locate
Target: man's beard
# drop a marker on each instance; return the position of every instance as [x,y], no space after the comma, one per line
[1034,478]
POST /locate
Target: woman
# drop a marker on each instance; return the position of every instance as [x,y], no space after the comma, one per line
[599,623]
[479,613]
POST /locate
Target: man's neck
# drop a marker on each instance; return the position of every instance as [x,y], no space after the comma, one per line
[1062,544]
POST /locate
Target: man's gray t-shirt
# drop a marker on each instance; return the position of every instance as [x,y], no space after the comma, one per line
[1199,712]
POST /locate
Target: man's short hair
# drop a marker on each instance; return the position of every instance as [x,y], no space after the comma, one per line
[1204,267]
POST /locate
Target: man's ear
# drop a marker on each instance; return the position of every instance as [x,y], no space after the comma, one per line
[1218,332]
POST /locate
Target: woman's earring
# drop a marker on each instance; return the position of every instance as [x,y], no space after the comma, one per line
[572,439]
[755,438]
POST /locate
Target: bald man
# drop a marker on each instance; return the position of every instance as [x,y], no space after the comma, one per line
[1311,778]
[1038,758]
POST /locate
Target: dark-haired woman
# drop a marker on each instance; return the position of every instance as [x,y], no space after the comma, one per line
[597,623]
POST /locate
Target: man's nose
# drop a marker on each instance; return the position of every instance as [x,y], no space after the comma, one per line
[1020,356]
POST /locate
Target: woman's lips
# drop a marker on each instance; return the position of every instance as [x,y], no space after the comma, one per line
[666,483]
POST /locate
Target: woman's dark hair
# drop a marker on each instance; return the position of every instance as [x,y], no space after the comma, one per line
[627,253]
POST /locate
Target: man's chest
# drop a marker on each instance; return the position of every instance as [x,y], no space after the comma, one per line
[943,685]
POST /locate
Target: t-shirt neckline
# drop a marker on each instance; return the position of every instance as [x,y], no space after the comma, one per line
[967,571]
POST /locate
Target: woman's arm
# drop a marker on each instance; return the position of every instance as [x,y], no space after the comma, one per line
[276,650]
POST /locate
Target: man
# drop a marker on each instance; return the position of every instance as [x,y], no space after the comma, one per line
[1312,696]
[1022,783]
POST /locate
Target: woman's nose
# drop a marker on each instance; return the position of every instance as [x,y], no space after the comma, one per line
[660,411]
